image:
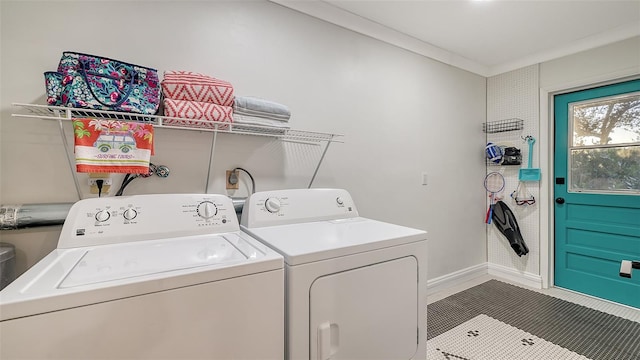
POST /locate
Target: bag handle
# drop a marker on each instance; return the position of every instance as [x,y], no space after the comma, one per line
[124,98]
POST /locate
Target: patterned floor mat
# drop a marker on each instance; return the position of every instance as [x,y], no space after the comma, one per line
[485,338]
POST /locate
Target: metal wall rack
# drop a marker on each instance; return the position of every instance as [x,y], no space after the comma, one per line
[61,114]
[502,126]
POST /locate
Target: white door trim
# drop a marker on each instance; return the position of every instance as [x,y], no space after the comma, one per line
[546,160]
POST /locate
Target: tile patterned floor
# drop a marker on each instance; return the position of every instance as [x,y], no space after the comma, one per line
[586,331]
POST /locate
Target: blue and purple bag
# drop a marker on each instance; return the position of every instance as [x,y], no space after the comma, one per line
[99,83]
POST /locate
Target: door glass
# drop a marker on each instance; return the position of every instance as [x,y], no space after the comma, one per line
[605,149]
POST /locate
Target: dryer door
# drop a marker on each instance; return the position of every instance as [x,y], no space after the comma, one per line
[366,313]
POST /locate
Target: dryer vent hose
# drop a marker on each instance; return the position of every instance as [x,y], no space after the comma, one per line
[32,215]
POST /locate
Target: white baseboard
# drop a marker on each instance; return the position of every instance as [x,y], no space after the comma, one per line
[515,276]
[461,276]
[456,278]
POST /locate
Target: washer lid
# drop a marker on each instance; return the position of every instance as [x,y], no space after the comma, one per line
[321,240]
[68,278]
[110,263]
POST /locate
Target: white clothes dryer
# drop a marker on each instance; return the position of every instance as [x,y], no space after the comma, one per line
[148,276]
[355,287]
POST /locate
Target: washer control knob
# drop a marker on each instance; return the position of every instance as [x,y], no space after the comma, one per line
[102,216]
[207,209]
[339,201]
[272,205]
[130,214]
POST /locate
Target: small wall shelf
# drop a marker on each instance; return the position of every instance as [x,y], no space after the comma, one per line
[61,114]
[502,126]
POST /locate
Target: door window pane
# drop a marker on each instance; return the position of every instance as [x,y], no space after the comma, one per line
[604,155]
[606,170]
[613,120]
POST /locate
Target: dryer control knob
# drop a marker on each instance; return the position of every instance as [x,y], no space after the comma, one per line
[130,214]
[207,210]
[102,216]
[339,201]
[272,205]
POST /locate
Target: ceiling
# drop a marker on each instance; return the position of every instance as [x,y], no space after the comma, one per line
[486,37]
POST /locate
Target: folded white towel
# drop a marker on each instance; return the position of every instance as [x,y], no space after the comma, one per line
[253,106]
[260,121]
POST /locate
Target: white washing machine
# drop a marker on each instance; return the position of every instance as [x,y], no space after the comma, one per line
[148,276]
[355,287]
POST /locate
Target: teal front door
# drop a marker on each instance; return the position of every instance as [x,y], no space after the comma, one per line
[597,190]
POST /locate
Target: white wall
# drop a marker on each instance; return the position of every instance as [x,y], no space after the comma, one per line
[401,114]
[511,95]
[602,64]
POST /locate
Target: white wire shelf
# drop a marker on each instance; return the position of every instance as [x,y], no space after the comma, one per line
[60,114]
[47,112]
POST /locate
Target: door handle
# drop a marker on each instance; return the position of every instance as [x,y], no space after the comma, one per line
[560,200]
[328,340]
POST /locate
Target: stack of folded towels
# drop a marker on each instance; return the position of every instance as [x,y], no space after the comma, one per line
[255,111]
[194,96]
